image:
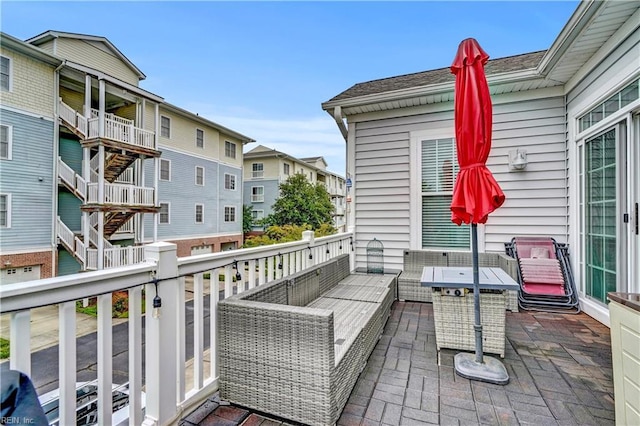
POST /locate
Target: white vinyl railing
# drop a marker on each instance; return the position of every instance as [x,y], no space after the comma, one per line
[122,194]
[168,394]
[71,179]
[116,128]
[115,256]
[126,228]
[72,243]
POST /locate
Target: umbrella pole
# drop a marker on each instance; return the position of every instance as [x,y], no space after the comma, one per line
[477,327]
[477,367]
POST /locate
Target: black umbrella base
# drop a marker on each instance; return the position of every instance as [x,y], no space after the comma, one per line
[490,371]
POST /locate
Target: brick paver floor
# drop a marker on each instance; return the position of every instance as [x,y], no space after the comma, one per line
[559,367]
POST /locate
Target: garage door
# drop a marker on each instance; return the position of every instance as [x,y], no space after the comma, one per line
[201,249]
[16,275]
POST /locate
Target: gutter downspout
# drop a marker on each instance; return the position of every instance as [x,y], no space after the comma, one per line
[337,115]
[54,183]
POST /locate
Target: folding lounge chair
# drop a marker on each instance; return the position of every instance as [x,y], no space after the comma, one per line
[545,275]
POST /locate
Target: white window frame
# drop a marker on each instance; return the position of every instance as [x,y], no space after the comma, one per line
[199,143]
[10,83]
[227,213]
[257,198]
[7,225]
[169,128]
[196,176]
[232,180]
[229,144]
[160,170]
[259,214]
[415,184]
[168,222]
[286,169]
[257,174]
[9,142]
[201,214]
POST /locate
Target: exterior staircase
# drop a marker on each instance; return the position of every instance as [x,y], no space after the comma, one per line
[124,144]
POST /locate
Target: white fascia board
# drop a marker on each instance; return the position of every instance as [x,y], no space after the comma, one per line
[34,52]
[434,89]
[579,20]
[618,37]
[102,76]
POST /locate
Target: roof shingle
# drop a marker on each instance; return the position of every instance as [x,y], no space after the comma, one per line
[437,76]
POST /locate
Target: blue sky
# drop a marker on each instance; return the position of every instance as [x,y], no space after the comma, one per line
[264,68]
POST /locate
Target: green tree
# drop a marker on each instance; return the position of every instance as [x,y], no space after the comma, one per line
[301,203]
[247,219]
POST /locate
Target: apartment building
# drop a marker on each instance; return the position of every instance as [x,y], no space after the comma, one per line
[93,166]
[266,168]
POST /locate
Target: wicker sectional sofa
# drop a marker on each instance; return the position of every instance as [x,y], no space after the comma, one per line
[409,287]
[295,347]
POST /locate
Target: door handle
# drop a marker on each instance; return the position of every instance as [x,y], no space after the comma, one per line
[636,219]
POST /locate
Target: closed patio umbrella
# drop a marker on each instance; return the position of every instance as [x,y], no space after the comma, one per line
[476,193]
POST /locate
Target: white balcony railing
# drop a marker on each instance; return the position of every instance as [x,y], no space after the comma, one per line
[116,256]
[115,127]
[167,392]
[121,194]
[257,198]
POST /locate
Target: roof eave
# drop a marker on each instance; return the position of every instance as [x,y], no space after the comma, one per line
[581,17]
[432,89]
[27,49]
[49,35]
[177,110]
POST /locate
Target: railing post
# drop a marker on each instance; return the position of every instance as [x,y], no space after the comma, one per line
[309,237]
[20,338]
[161,336]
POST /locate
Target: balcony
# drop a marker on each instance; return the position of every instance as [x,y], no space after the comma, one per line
[118,194]
[116,129]
[560,365]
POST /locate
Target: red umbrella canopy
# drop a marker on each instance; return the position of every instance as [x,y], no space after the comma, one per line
[476,193]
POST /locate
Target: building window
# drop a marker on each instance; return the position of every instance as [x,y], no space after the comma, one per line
[229,149]
[5,74]
[5,210]
[611,105]
[257,214]
[199,213]
[199,176]
[286,169]
[257,170]
[165,169]
[5,142]
[200,138]
[230,181]
[165,126]
[229,214]
[310,176]
[257,194]
[163,216]
[439,168]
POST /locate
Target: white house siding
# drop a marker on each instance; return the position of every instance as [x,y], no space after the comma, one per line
[31,85]
[31,197]
[536,199]
[616,70]
[95,55]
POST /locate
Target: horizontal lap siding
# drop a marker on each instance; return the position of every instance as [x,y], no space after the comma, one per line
[31,198]
[96,55]
[536,199]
